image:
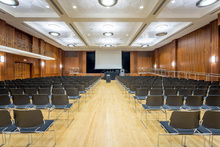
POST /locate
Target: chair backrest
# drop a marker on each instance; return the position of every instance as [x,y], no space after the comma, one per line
[58,91]
[21,99]
[141,92]
[185,92]
[81,87]
[30,91]
[16,91]
[44,91]
[4,99]
[28,118]
[155,100]
[196,100]
[156,92]
[213,100]
[72,91]
[5,118]
[174,100]
[40,99]
[170,92]
[3,91]
[211,119]
[60,99]
[214,92]
[185,119]
[202,92]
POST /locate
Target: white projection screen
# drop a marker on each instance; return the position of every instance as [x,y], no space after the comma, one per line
[108,60]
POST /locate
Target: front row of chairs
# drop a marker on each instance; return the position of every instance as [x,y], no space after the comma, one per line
[189,123]
[25,122]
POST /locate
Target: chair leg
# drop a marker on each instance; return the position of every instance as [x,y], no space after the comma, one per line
[42,136]
[9,140]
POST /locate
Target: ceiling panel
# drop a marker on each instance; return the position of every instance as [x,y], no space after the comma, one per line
[30,8]
[123,9]
[149,35]
[93,32]
[185,9]
[67,36]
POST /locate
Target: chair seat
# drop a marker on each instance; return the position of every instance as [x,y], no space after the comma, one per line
[131,92]
[82,92]
[7,106]
[191,107]
[205,130]
[146,107]
[42,128]
[140,97]
[24,106]
[169,129]
[7,129]
[210,107]
[43,106]
[172,107]
[63,106]
[74,97]
[87,88]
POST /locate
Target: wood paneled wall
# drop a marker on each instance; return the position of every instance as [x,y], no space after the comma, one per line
[193,51]
[51,68]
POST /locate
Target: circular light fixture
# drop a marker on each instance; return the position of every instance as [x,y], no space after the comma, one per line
[108,34]
[144,45]
[161,34]
[47,6]
[108,3]
[71,45]
[173,1]
[141,7]
[10,2]
[108,27]
[204,3]
[74,7]
[54,33]
[108,45]
[161,27]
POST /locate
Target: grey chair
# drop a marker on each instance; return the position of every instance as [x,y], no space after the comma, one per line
[156,91]
[212,103]
[140,94]
[170,92]
[73,93]
[181,123]
[5,102]
[22,101]
[6,126]
[202,92]
[193,102]
[30,91]
[58,91]
[32,121]
[185,92]
[16,91]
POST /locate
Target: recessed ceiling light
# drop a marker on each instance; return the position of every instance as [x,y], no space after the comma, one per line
[74,7]
[108,34]
[108,45]
[54,33]
[108,27]
[141,7]
[71,45]
[108,3]
[47,6]
[10,2]
[89,34]
[127,34]
[161,27]
[144,45]
[173,1]
[204,3]
[161,34]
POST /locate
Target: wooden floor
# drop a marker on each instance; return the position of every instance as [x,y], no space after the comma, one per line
[107,120]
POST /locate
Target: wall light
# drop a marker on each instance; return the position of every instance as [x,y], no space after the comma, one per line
[61,66]
[155,65]
[213,59]
[43,64]
[173,63]
[2,59]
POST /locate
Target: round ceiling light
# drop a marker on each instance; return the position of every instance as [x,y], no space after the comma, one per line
[108,45]
[204,3]
[108,34]
[161,34]
[161,27]
[71,45]
[54,33]
[108,3]
[144,45]
[10,2]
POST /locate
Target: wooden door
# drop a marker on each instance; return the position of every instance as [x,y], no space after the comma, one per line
[22,70]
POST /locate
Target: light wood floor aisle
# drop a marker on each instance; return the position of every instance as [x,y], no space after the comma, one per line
[108,120]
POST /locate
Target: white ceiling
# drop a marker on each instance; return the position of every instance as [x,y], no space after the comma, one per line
[132,26]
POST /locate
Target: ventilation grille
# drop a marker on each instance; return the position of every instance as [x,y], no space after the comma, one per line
[138,34]
[158,8]
[78,34]
[215,11]
[55,5]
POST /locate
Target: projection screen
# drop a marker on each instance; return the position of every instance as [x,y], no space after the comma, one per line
[108,60]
